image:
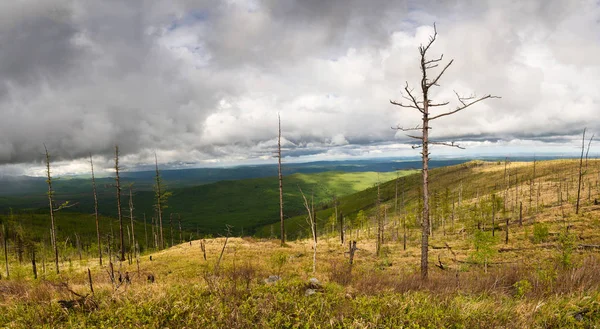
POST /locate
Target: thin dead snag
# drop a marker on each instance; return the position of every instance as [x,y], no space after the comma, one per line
[423,105]
[351,251]
[222,250]
[180,232]
[311,220]
[203,248]
[51,204]
[159,201]
[379,223]
[119,214]
[5,243]
[133,245]
[282,229]
[96,210]
[580,172]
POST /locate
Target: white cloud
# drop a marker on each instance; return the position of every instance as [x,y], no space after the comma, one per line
[200,82]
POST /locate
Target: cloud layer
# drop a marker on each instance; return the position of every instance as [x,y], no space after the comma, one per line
[203,81]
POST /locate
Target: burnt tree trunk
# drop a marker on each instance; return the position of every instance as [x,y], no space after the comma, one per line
[99,241]
[51,206]
[580,172]
[119,214]
[280,178]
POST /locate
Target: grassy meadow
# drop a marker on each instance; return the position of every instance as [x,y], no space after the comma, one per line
[540,271]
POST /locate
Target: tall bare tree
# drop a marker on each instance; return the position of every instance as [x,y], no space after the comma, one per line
[132,247]
[423,104]
[51,206]
[96,210]
[312,222]
[581,173]
[161,200]
[180,232]
[280,182]
[5,243]
[119,213]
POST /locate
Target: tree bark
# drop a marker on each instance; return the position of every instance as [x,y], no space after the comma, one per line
[119,214]
[96,211]
[133,248]
[161,243]
[280,177]
[580,172]
[51,205]
[5,242]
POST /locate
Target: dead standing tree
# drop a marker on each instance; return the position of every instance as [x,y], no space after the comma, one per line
[51,204]
[96,210]
[132,246]
[312,221]
[581,170]
[161,199]
[119,214]
[280,182]
[423,106]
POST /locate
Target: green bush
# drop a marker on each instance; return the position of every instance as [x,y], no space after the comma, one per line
[522,287]
[278,260]
[540,232]
[566,244]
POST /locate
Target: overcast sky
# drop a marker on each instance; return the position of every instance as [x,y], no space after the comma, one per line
[201,82]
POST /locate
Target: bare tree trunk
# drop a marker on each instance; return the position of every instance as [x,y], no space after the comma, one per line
[506,237]
[78,245]
[133,248]
[280,177]
[119,214]
[96,211]
[171,227]
[161,242]
[403,222]
[33,266]
[222,250]
[146,233]
[51,205]
[313,227]
[351,250]
[203,248]
[493,214]
[521,213]
[580,172]
[153,225]
[90,280]
[180,232]
[379,224]
[531,187]
[341,221]
[5,242]
[506,184]
[423,106]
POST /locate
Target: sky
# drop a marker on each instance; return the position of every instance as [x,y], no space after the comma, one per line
[201,83]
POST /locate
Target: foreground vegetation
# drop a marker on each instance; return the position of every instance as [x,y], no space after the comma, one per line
[540,271]
[374,293]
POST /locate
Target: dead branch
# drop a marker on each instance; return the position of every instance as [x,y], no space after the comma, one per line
[417,128]
[460,108]
[440,265]
[439,104]
[451,144]
[422,49]
[66,205]
[434,82]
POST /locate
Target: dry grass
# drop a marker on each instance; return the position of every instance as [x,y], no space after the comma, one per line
[522,284]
